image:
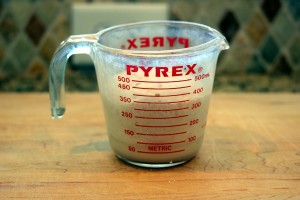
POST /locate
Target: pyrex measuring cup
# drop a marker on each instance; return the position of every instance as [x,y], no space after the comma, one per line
[155,79]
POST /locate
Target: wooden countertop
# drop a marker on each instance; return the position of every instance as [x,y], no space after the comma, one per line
[251,150]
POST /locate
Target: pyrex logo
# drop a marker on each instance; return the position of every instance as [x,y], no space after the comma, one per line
[146,42]
[161,71]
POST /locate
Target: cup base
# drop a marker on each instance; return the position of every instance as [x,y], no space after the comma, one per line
[153,165]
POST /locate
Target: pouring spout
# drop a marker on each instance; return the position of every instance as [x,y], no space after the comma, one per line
[220,39]
[224,43]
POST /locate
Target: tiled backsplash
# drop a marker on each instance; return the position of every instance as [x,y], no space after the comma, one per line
[264,36]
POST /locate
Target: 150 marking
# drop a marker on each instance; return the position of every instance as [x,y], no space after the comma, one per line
[129,132]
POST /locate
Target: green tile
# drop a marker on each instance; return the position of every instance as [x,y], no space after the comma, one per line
[23,52]
[294,51]
[9,67]
[256,66]
[242,9]
[21,11]
[269,50]
[2,50]
[283,28]
[47,11]
[8,27]
[294,8]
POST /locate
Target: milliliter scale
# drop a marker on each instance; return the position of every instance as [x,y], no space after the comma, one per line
[155,79]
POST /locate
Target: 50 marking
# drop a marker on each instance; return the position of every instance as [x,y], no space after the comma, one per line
[131,148]
[191,139]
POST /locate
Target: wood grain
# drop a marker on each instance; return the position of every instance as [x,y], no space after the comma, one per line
[251,150]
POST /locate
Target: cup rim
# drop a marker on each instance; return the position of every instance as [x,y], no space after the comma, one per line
[219,40]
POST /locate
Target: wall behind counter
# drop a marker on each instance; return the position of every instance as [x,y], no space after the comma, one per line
[264,36]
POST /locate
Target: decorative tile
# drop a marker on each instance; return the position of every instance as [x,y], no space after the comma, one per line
[270,8]
[282,67]
[2,51]
[61,28]
[294,6]
[242,9]
[184,10]
[283,28]
[22,11]
[242,49]
[294,51]
[212,6]
[38,70]
[8,27]
[229,65]
[269,50]
[23,52]
[256,66]
[263,34]
[9,67]
[1,7]
[48,48]
[229,25]
[35,29]
[47,11]
[256,28]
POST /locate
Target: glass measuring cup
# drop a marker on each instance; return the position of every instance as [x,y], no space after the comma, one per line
[155,80]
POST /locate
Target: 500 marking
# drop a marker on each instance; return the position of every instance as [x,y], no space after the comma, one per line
[123,79]
[201,76]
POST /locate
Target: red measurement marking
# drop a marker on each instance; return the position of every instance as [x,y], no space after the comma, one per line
[157,102]
[175,88]
[166,143]
[162,110]
[161,117]
[170,95]
[139,81]
[151,152]
[161,134]
[169,126]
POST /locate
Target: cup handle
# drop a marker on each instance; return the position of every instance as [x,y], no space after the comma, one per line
[77,44]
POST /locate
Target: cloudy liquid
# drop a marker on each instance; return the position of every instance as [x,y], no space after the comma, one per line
[170,130]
